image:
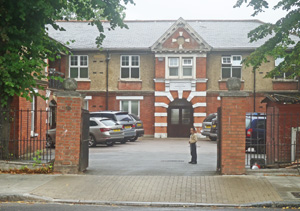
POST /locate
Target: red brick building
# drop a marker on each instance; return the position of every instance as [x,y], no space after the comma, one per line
[170,73]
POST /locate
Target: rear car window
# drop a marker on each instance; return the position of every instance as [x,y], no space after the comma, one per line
[108,122]
[95,115]
[93,123]
[209,118]
[123,117]
[135,117]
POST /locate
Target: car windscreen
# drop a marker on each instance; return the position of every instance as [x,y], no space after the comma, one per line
[135,117]
[123,117]
[108,122]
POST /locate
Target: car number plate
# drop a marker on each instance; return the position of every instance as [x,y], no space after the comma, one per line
[214,126]
[139,124]
[208,126]
[127,127]
[117,130]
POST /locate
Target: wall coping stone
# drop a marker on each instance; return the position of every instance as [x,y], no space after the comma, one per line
[234,94]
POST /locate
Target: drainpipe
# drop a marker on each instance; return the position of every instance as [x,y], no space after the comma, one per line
[107,62]
[254,91]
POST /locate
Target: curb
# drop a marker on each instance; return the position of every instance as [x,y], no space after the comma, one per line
[34,198]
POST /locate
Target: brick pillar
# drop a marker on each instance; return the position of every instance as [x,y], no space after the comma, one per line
[233,107]
[68,132]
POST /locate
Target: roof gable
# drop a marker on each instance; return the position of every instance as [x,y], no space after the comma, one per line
[180,37]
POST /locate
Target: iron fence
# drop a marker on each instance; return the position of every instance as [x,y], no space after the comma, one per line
[23,135]
[272,139]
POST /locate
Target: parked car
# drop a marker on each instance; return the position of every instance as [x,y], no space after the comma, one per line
[102,131]
[138,127]
[256,131]
[122,118]
[50,138]
[206,125]
[213,134]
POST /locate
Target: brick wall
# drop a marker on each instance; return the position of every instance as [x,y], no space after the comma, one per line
[130,85]
[233,135]
[83,85]
[68,134]
[277,85]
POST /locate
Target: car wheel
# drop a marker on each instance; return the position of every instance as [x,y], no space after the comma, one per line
[124,141]
[92,141]
[213,138]
[109,143]
[133,139]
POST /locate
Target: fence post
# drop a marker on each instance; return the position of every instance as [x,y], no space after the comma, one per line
[68,129]
[234,107]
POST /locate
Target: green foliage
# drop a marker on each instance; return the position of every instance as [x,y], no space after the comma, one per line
[37,159]
[25,43]
[284,37]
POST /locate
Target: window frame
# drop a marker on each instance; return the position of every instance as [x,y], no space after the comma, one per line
[130,66]
[129,106]
[78,66]
[232,65]
[180,66]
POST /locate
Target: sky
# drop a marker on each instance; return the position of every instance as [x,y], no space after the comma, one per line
[197,9]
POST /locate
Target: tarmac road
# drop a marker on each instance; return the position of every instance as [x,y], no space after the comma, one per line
[157,157]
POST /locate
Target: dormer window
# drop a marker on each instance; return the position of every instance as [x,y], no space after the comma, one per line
[231,66]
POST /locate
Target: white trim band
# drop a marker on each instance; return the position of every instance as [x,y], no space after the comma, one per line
[164,94]
[161,105]
[199,105]
[160,124]
[197,124]
[130,97]
[160,114]
[199,114]
[88,98]
[160,135]
[196,94]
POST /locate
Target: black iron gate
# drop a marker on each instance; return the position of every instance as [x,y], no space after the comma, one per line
[23,135]
[273,139]
[219,141]
[84,142]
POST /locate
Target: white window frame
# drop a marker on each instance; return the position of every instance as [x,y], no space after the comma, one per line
[233,64]
[180,66]
[130,66]
[32,115]
[129,106]
[78,66]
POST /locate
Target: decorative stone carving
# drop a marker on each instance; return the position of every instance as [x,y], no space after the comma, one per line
[70,84]
[233,84]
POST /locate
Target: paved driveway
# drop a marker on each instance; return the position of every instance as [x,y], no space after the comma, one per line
[157,157]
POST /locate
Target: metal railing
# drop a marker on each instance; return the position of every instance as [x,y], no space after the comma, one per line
[26,135]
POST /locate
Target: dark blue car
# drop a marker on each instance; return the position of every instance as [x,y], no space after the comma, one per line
[256,131]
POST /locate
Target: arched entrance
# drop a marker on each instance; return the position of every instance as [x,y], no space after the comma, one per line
[180,118]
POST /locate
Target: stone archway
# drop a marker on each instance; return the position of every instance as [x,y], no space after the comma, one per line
[180,118]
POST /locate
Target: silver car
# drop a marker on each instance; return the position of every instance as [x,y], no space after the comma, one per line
[207,123]
[102,131]
[105,131]
[122,118]
[138,127]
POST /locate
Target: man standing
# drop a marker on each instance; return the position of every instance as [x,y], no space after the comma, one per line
[192,142]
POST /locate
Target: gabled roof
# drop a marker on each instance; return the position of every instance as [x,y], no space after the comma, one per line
[142,35]
[180,24]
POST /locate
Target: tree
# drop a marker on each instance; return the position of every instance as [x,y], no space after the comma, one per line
[25,43]
[283,37]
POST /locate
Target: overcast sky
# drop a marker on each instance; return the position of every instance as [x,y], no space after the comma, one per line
[197,9]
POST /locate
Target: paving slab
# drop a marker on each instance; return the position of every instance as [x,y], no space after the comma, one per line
[170,189]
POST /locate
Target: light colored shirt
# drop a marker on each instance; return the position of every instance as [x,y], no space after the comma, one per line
[193,138]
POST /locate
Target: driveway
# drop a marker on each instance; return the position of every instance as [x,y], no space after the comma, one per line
[157,157]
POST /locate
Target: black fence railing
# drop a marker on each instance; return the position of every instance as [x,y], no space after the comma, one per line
[23,135]
[273,139]
[55,83]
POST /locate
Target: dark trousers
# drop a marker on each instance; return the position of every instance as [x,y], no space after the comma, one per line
[193,152]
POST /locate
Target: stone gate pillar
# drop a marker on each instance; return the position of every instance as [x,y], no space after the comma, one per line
[233,106]
[68,129]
